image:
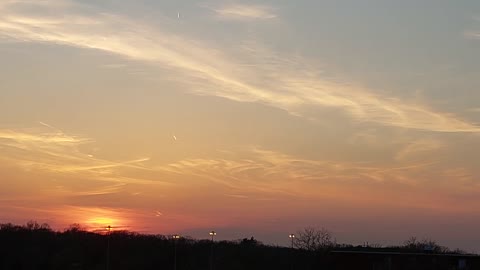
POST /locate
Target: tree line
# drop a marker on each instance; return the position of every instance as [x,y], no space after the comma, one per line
[37,246]
[321,239]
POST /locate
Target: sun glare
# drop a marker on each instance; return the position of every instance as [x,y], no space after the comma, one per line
[97,219]
[101,221]
[102,224]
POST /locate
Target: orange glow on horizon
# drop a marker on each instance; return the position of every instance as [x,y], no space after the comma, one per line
[96,219]
[96,223]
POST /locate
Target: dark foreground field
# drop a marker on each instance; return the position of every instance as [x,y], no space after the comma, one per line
[37,247]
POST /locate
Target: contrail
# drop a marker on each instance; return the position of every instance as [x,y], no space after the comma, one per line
[49,126]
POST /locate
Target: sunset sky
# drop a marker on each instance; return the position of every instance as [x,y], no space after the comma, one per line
[251,118]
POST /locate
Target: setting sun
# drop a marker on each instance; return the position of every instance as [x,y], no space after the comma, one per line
[95,219]
[101,222]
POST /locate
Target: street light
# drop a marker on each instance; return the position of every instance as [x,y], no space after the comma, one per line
[175,237]
[212,234]
[292,236]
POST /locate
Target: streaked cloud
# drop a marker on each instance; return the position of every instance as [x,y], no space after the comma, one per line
[274,176]
[472,35]
[270,171]
[57,152]
[421,146]
[261,172]
[289,83]
[114,66]
[245,12]
[42,139]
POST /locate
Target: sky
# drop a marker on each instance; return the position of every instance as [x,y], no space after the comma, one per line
[251,118]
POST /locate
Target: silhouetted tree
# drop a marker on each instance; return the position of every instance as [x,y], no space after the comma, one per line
[75,227]
[33,225]
[314,239]
[424,245]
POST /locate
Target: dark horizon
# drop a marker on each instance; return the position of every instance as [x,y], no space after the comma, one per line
[258,117]
[36,246]
[419,244]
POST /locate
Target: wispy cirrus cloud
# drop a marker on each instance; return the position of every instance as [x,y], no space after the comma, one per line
[244,12]
[23,139]
[51,150]
[272,175]
[422,146]
[272,171]
[472,35]
[284,82]
[51,163]
[263,172]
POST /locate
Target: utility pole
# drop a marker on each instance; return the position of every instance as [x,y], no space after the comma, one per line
[109,229]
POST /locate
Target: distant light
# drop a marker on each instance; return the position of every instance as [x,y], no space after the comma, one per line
[291,235]
[176,236]
[212,233]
